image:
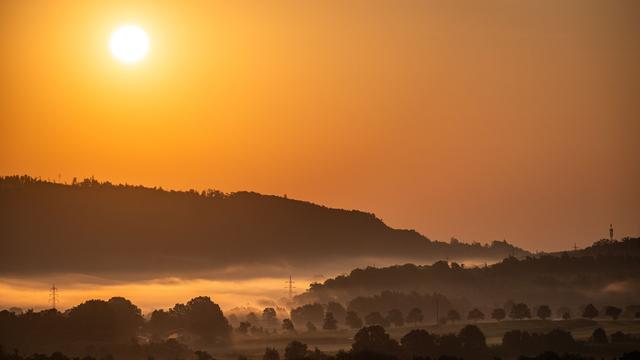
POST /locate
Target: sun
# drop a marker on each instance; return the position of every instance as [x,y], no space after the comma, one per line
[129,44]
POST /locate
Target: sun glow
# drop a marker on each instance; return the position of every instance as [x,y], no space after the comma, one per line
[129,44]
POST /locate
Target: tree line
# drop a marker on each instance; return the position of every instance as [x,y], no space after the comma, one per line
[374,343]
[313,317]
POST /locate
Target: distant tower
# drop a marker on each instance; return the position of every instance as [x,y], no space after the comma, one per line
[290,283]
[53,296]
[611,232]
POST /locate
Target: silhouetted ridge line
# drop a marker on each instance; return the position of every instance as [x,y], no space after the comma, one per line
[557,280]
[94,227]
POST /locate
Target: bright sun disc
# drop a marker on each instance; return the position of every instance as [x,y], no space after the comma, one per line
[129,44]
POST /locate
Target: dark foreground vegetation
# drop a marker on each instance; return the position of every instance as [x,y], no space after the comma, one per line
[373,343]
[116,329]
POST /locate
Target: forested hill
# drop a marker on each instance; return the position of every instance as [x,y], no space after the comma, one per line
[558,280]
[627,246]
[91,227]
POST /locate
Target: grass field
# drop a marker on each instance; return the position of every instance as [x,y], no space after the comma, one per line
[332,341]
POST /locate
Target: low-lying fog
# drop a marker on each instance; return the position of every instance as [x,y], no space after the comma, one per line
[243,286]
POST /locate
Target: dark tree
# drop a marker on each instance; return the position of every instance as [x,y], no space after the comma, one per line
[449,344]
[375,318]
[308,312]
[269,317]
[127,317]
[271,354]
[590,312]
[338,311]
[566,316]
[613,312]
[498,314]
[559,340]
[287,325]
[252,318]
[203,355]
[376,340]
[244,327]
[295,350]
[160,324]
[414,316]
[520,311]
[620,337]
[514,340]
[352,320]
[330,322]
[544,312]
[205,319]
[599,336]
[311,327]
[472,340]
[475,315]
[418,343]
[395,317]
[92,320]
[453,315]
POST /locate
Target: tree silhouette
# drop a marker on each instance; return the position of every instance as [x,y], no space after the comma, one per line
[271,354]
[269,317]
[352,320]
[205,319]
[590,312]
[613,312]
[520,311]
[160,324]
[338,311]
[330,322]
[375,318]
[599,336]
[308,312]
[394,317]
[295,350]
[449,344]
[472,340]
[498,314]
[453,315]
[93,320]
[418,343]
[244,327]
[252,318]
[544,312]
[414,316]
[287,325]
[311,327]
[475,315]
[376,340]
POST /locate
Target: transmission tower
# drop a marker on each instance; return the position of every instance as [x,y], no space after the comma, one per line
[53,296]
[611,232]
[290,286]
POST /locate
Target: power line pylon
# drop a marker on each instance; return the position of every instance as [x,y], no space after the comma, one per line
[53,296]
[290,286]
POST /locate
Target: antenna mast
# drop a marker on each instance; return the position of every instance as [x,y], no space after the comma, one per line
[53,296]
[290,283]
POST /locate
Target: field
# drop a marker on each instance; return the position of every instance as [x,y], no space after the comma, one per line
[253,346]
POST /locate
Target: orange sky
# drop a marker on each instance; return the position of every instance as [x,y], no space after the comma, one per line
[480,120]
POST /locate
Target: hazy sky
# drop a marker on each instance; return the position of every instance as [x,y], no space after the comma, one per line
[481,120]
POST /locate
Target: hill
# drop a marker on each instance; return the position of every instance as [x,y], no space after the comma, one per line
[91,227]
[546,279]
[627,246]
